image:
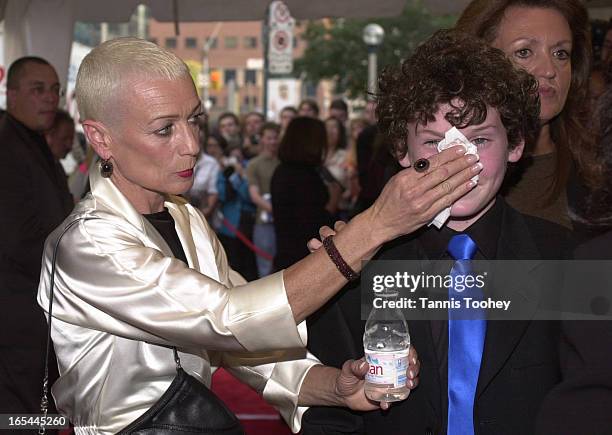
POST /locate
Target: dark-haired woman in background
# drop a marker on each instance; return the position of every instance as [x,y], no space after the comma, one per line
[300,198]
[336,162]
[308,108]
[550,39]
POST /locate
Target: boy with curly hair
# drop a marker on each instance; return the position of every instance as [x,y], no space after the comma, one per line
[455,80]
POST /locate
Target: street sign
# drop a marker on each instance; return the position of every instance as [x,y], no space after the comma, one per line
[280,48]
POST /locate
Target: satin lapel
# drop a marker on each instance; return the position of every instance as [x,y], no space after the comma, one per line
[502,336]
[105,191]
[183,228]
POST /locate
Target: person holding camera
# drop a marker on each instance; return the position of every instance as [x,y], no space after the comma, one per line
[259,173]
[236,214]
[251,128]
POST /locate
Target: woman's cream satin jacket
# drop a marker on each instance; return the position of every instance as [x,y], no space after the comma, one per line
[121,299]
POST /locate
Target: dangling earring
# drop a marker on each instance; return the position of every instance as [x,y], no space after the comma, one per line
[106,168]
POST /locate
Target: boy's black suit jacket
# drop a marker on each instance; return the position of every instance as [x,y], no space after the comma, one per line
[520,362]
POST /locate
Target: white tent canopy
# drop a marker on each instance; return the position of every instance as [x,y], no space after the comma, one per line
[213,10]
[45,27]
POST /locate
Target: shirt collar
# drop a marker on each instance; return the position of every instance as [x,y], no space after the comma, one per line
[485,232]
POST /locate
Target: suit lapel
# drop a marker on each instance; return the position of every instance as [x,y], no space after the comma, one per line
[503,336]
[421,333]
[183,229]
[422,339]
[336,329]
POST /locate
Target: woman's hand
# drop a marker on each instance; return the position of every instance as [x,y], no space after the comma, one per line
[412,199]
[350,383]
[408,201]
[239,169]
[328,386]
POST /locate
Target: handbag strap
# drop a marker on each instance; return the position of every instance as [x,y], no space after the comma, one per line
[177,360]
[44,402]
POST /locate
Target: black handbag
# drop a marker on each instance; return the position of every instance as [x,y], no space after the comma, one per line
[187,407]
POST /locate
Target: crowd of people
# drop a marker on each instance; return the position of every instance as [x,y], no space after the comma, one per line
[185,243]
[235,177]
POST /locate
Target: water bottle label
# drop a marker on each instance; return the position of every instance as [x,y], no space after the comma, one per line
[387,369]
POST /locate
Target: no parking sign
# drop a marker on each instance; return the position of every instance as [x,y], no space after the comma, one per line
[280,48]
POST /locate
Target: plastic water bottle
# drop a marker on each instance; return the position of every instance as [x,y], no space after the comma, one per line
[386,343]
[266,217]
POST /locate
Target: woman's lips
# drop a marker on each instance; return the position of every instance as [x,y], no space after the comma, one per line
[186,173]
[547,91]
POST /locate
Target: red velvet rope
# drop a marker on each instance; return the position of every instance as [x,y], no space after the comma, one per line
[244,239]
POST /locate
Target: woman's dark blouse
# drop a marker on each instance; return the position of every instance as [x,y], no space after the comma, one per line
[298,203]
[164,224]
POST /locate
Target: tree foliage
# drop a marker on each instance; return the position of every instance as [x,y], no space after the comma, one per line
[335,48]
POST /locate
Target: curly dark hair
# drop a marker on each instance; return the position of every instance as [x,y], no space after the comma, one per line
[465,72]
[595,211]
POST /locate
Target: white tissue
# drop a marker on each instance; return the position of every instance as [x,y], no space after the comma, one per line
[453,137]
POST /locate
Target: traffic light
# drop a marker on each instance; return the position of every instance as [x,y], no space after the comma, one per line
[215,79]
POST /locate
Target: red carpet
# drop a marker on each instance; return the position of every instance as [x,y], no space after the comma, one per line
[257,417]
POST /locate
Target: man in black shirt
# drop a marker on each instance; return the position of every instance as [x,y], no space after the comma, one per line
[34,200]
[454,80]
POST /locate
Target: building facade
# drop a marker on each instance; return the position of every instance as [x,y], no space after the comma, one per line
[227,60]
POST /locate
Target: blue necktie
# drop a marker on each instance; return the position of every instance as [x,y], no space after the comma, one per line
[465,341]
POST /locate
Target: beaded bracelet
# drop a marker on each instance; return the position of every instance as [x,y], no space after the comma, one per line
[336,258]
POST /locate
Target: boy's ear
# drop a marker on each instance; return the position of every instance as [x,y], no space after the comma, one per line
[405,161]
[515,154]
[97,136]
